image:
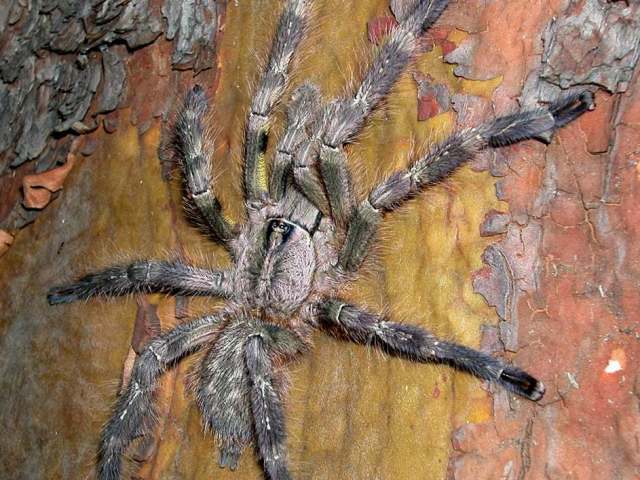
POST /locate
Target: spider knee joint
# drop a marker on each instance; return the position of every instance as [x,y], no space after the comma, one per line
[338,312]
[140,272]
[330,146]
[154,353]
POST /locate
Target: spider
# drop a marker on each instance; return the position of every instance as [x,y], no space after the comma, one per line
[305,236]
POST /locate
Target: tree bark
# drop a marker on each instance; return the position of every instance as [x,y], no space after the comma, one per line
[531,253]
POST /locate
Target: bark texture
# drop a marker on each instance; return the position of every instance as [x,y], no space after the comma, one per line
[533,253]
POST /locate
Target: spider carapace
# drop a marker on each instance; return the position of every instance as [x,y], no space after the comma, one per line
[304,237]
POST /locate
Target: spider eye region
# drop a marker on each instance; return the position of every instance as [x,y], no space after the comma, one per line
[279,232]
[280,226]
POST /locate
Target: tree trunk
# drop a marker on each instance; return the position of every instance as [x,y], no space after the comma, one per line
[532,253]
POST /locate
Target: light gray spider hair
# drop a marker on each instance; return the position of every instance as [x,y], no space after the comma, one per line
[305,236]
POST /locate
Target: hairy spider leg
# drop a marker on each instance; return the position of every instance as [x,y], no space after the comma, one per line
[290,31]
[302,110]
[419,345]
[296,151]
[239,392]
[134,414]
[344,118]
[306,177]
[336,178]
[145,276]
[267,409]
[444,159]
[194,158]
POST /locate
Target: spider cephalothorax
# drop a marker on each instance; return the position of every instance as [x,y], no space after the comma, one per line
[304,237]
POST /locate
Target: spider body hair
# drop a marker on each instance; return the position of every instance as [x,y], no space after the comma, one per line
[304,239]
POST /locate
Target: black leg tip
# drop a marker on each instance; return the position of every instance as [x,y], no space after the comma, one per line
[568,109]
[538,391]
[520,382]
[587,98]
[60,295]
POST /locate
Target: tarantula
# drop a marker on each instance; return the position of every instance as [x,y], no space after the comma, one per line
[305,236]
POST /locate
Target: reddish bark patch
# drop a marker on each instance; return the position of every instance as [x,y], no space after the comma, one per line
[147,324]
[563,275]
[38,188]
[433,98]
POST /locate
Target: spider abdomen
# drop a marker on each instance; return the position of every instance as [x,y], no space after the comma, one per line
[222,392]
[223,388]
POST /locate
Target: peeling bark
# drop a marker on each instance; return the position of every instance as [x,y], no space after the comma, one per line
[63,64]
[533,254]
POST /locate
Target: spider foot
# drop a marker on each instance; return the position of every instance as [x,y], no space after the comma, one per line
[566,110]
[229,459]
[520,382]
[539,124]
[63,294]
